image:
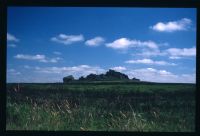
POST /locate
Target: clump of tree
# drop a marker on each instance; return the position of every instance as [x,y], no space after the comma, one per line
[110,75]
[68,79]
[114,75]
[135,79]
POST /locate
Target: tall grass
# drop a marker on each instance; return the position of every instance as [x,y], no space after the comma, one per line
[86,108]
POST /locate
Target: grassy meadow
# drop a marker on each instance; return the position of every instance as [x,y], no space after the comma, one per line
[101,107]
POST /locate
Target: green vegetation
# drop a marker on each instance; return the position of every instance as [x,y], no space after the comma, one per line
[110,75]
[101,106]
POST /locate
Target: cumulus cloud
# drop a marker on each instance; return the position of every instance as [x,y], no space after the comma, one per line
[38,57]
[53,60]
[173,53]
[156,75]
[38,74]
[57,53]
[30,57]
[149,62]
[67,39]
[185,52]
[12,38]
[13,76]
[149,53]
[172,26]
[13,72]
[125,43]
[119,68]
[12,45]
[121,43]
[175,57]
[95,41]
[27,67]
[55,74]
[76,71]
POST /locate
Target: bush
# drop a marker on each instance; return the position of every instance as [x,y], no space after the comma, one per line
[68,79]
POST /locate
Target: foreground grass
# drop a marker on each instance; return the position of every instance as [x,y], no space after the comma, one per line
[79,107]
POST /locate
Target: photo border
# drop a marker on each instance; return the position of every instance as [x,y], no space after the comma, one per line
[4,4]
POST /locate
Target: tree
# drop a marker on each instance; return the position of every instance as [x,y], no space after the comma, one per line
[81,78]
[110,75]
[68,79]
[135,79]
[114,75]
[91,77]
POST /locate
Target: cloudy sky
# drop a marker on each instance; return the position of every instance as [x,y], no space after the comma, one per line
[46,44]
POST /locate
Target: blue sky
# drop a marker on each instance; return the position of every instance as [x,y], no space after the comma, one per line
[152,44]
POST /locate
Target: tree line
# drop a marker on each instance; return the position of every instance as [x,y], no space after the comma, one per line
[110,75]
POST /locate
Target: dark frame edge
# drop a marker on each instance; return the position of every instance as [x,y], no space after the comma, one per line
[198,73]
[105,3]
[3,52]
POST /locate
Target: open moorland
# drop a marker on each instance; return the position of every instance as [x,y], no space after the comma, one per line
[101,106]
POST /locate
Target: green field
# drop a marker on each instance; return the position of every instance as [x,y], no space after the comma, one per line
[111,106]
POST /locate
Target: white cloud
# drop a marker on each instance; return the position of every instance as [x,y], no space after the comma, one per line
[149,53]
[173,53]
[12,45]
[11,38]
[119,68]
[121,43]
[155,75]
[38,57]
[57,53]
[13,72]
[56,74]
[76,71]
[172,26]
[54,60]
[190,78]
[185,52]
[149,44]
[67,39]
[30,57]
[149,61]
[175,57]
[124,43]
[95,41]
[27,67]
